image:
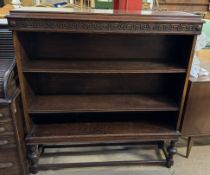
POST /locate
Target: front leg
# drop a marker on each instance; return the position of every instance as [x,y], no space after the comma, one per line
[171,152]
[33,156]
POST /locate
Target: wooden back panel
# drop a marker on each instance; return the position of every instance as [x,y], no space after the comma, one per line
[45,84]
[61,46]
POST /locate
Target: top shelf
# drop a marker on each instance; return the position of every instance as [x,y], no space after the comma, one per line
[45,66]
[103,11]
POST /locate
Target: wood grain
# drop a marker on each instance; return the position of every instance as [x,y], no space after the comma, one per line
[101,103]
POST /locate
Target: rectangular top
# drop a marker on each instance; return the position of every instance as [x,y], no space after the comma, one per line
[103,21]
[101,11]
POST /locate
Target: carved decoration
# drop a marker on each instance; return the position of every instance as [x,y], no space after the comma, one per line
[107,27]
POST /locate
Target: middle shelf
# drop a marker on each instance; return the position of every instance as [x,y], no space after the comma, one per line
[102,66]
[101,103]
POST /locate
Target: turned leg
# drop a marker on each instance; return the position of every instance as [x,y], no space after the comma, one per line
[33,156]
[189,146]
[171,152]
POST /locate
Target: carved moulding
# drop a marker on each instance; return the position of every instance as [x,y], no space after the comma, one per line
[103,27]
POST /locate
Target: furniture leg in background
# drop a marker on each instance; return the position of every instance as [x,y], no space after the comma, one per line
[189,146]
[196,116]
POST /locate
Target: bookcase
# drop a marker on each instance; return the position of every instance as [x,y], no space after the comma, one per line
[102,77]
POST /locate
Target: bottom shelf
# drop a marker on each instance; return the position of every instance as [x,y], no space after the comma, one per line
[103,131]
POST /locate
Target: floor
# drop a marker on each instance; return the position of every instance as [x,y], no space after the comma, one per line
[196,164]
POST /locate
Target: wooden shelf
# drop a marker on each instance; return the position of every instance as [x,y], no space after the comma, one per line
[100,103]
[101,67]
[101,131]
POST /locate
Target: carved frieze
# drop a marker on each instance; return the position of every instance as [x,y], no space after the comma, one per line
[106,27]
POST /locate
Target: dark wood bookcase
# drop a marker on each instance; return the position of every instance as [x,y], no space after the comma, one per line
[103,77]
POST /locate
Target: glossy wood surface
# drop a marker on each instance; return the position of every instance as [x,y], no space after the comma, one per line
[101,103]
[102,67]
